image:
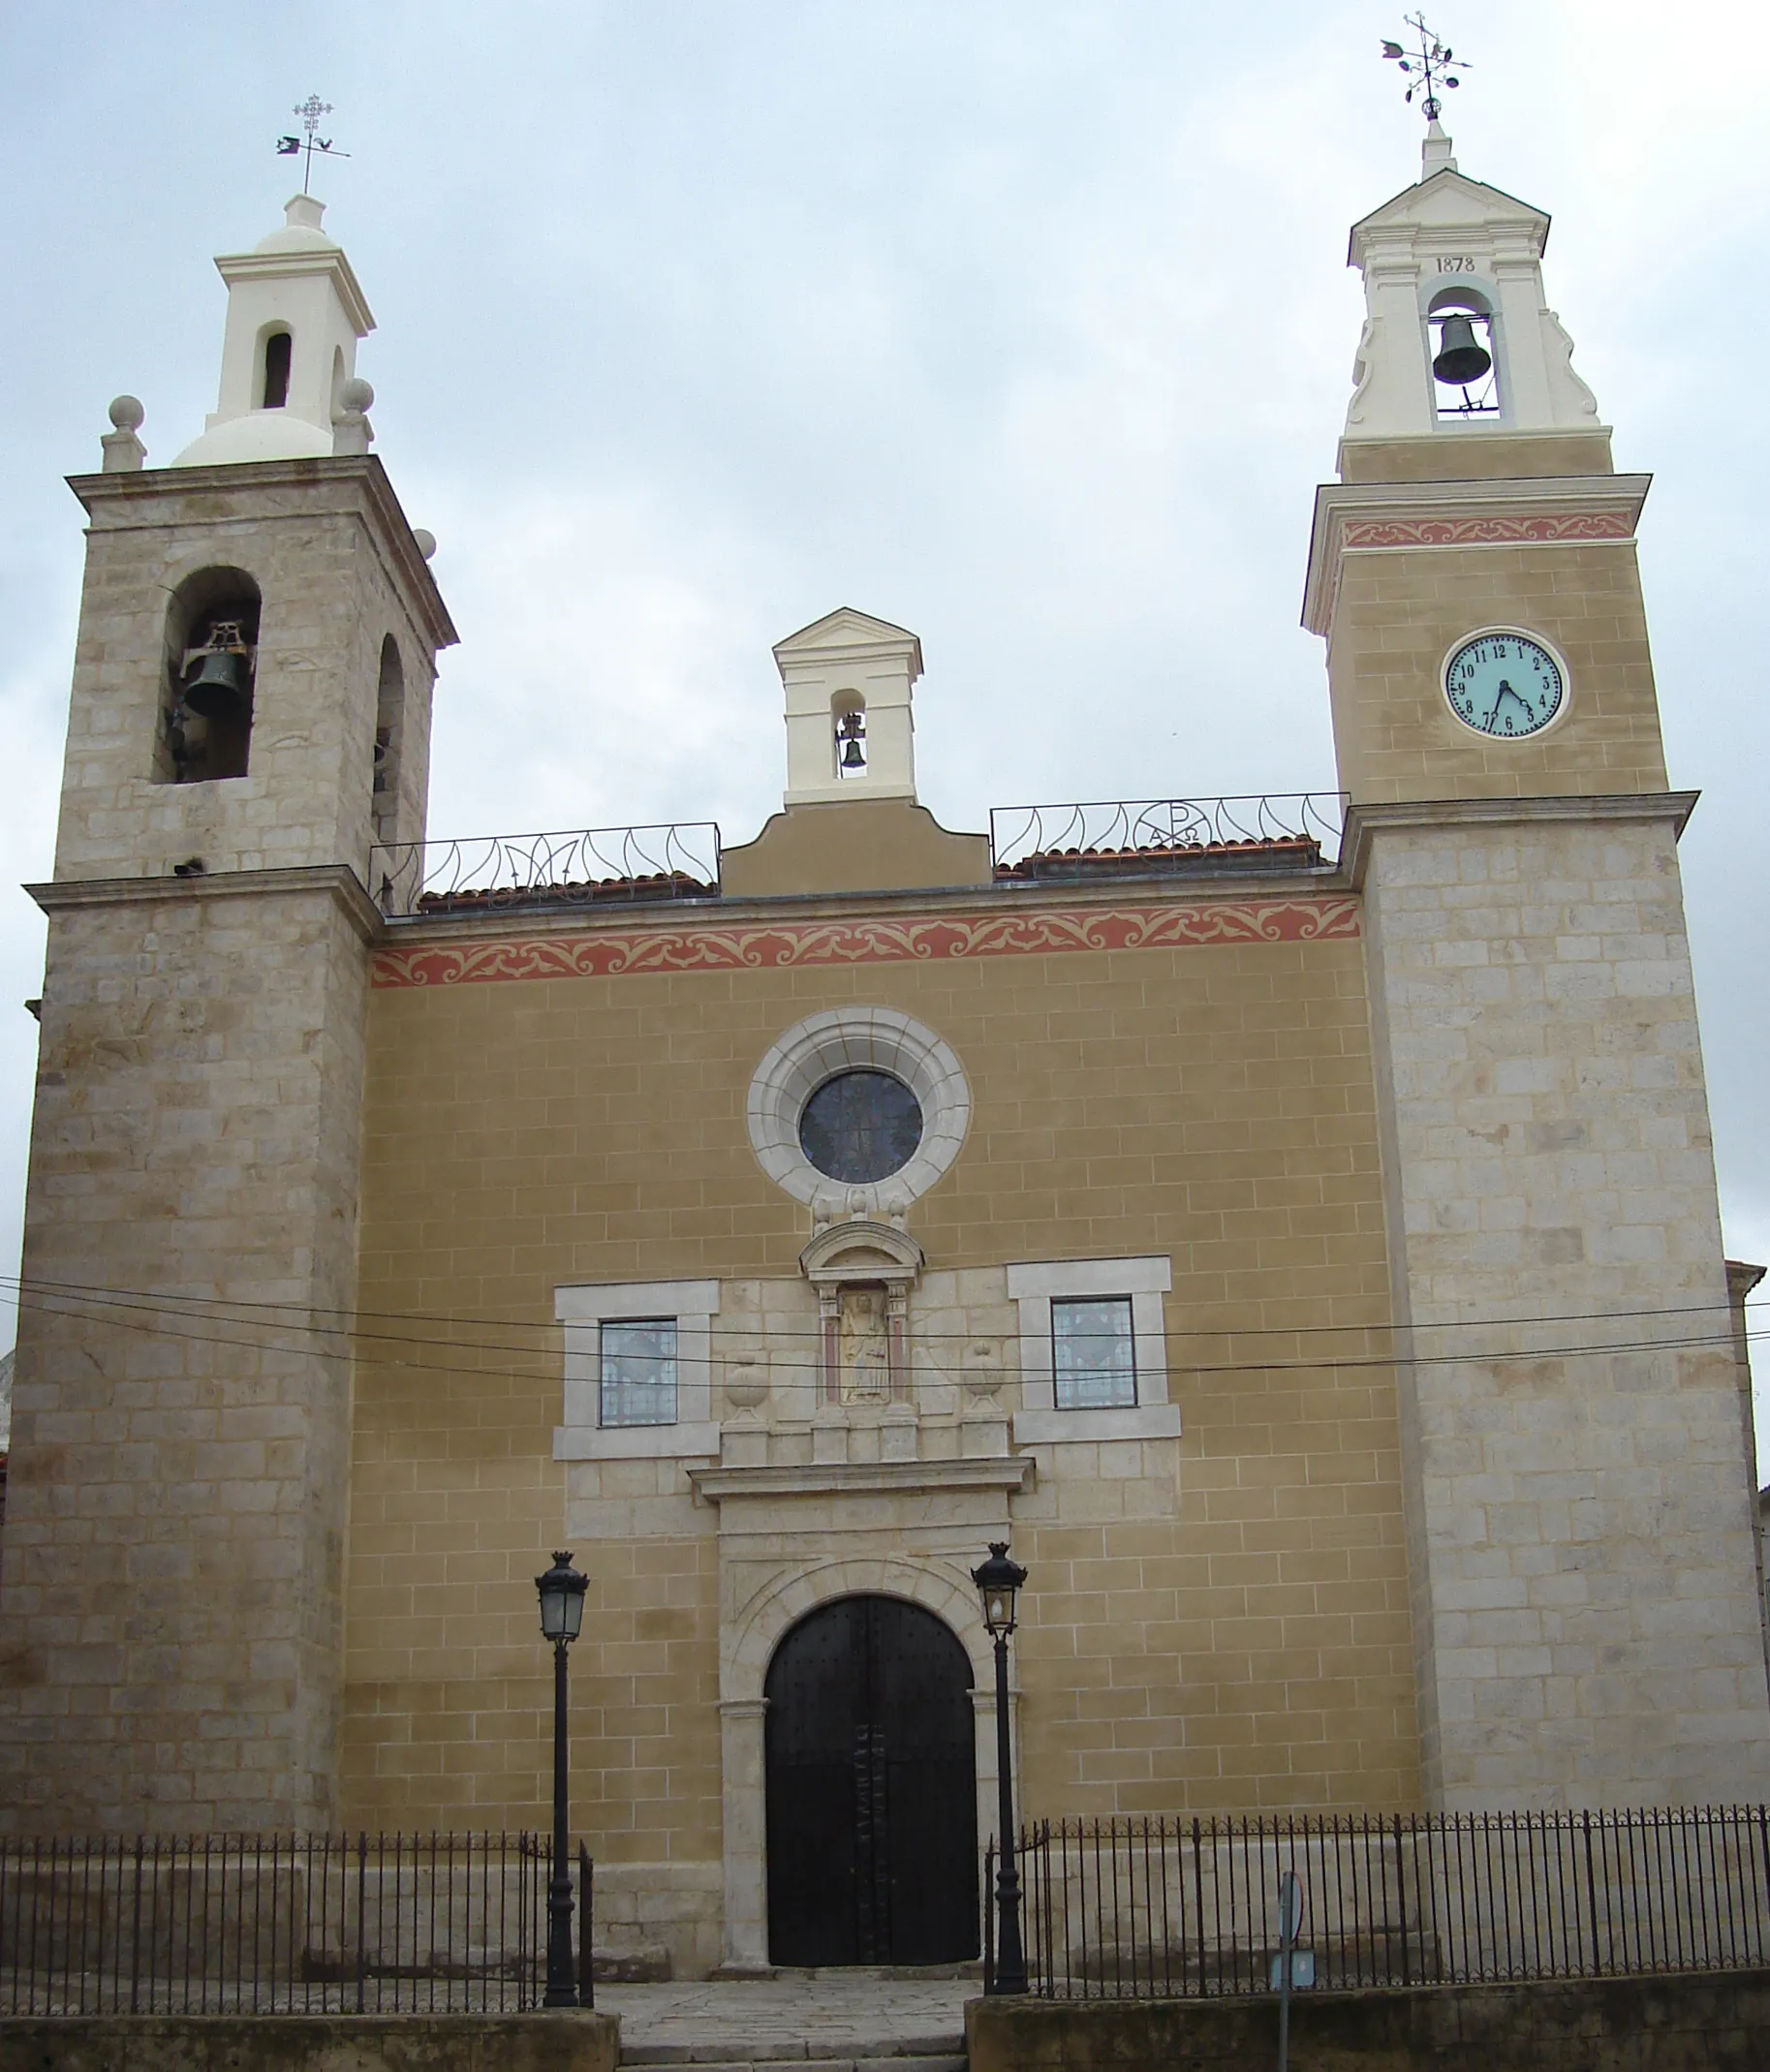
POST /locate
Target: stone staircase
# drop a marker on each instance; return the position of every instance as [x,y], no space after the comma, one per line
[803,2021]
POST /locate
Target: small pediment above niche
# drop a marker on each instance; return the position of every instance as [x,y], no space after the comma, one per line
[857,1248]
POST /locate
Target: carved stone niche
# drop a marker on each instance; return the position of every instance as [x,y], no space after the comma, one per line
[863,1272]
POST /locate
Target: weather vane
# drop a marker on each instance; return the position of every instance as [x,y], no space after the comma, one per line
[310,112]
[1428,68]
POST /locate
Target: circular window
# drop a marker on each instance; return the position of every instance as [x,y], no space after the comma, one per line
[861,1098]
[861,1125]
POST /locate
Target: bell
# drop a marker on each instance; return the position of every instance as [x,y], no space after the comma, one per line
[851,756]
[218,690]
[1460,359]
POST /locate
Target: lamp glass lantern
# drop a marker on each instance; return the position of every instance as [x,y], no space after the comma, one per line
[562,1601]
[999,1582]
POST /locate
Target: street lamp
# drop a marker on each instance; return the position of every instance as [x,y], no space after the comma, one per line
[999,1582]
[562,1613]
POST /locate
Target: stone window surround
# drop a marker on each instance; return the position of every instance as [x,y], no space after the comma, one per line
[1033,1287]
[582,1309]
[838,1041]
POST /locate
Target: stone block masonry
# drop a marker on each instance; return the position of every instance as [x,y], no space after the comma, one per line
[170,1603]
[1578,1498]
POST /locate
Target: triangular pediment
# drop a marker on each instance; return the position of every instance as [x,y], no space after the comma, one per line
[1453,201]
[844,628]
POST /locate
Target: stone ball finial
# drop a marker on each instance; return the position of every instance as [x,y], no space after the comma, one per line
[127,413]
[357,394]
[425,542]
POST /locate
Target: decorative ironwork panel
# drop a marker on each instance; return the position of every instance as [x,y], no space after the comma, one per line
[588,867]
[1167,837]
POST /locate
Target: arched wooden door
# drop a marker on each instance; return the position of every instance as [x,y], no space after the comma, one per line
[872,1789]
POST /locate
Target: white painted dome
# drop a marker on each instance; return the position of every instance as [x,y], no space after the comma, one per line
[263,435]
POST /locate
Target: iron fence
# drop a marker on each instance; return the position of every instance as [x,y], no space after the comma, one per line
[591,866]
[1290,831]
[1163,1908]
[279,1924]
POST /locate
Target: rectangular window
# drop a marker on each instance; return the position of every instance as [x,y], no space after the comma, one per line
[1093,1357]
[638,1371]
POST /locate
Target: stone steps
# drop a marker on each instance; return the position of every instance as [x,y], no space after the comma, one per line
[771,2056]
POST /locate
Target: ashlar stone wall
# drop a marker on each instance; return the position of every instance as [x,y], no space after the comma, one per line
[1580,1493]
[170,1616]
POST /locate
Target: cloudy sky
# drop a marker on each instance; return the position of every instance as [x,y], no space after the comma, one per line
[1022,322]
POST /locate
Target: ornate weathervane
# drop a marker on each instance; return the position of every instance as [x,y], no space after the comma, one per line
[310,112]
[1428,66]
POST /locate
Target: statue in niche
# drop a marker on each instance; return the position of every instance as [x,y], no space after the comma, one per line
[864,1346]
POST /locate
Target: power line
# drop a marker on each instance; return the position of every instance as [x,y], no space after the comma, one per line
[1172,1369]
[202,1305]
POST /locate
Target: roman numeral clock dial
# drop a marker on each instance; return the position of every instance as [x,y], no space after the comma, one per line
[1505,685]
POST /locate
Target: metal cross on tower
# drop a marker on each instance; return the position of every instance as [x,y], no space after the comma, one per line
[310,112]
[1428,67]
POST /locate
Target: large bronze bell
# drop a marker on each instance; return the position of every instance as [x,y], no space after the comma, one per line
[854,758]
[1460,359]
[218,690]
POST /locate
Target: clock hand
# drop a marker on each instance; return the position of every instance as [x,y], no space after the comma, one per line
[1506,691]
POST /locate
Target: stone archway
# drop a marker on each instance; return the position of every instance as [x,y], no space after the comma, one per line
[871,1789]
[747,1644]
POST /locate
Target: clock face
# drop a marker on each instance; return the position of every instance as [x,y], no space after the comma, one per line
[1505,685]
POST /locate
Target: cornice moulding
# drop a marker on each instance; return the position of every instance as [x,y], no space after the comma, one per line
[63,894]
[363,471]
[1364,823]
[1014,1476]
[1513,511]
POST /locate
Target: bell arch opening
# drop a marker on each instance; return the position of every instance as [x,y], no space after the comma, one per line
[870,1774]
[209,678]
[390,710]
[278,352]
[848,733]
[1464,352]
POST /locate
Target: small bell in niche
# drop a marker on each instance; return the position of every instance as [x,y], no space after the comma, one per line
[219,690]
[851,733]
[1461,356]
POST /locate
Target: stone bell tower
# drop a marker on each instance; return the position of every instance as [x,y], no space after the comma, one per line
[250,710]
[1577,1451]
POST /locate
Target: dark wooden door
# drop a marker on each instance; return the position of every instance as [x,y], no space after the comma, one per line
[872,1789]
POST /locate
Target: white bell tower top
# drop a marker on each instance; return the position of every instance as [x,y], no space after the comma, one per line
[850,730]
[1449,242]
[296,400]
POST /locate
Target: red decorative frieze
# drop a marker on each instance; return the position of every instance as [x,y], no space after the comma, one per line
[1534,530]
[608,954]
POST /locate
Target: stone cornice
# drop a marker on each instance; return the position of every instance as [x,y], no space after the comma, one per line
[365,471]
[1515,510]
[1012,1473]
[62,894]
[1364,823]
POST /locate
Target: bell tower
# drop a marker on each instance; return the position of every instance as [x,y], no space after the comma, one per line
[1576,1452]
[250,710]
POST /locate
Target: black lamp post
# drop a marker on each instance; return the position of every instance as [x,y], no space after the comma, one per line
[999,1582]
[562,1613]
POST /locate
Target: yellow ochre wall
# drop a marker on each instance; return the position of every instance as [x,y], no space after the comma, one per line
[1211,1102]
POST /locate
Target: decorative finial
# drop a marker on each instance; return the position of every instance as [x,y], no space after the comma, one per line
[123,451]
[1428,67]
[310,112]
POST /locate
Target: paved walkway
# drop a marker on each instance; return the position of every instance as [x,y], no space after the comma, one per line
[834,2018]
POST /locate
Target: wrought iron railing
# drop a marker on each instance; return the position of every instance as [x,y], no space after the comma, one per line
[1164,1908]
[1104,838]
[587,867]
[279,1924]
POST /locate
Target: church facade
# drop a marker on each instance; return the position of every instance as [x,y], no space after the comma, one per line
[1299,1241]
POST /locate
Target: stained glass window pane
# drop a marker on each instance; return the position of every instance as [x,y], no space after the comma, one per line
[639,1372]
[1092,1356]
[861,1125]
